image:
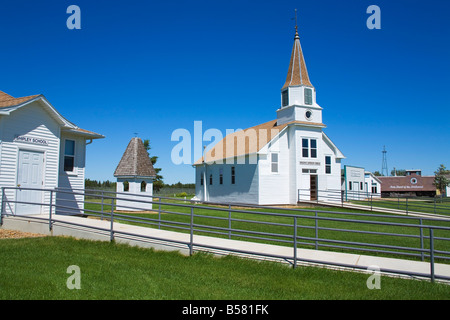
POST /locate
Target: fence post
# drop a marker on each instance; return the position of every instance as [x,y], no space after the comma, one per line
[159,213]
[191,241]
[431,255]
[111,236]
[229,221]
[317,231]
[50,226]
[102,205]
[295,242]
[2,206]
[422,255]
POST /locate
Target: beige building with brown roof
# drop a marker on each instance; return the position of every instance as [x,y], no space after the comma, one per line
[271,163]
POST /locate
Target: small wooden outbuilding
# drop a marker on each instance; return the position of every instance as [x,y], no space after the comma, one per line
[135,175]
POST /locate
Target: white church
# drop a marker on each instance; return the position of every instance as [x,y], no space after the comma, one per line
[271,163]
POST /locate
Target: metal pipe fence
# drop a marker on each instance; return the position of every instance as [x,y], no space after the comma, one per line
[405,204]
[425,239]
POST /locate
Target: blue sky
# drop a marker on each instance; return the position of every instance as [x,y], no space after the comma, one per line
[150,67]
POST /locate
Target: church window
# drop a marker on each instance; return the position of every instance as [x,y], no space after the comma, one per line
[233,175]
[313,148]
[284,98]
[309,148]
[327,164]
[126,186]
[308,96]
[201,178]
[143,186]
[220,176]
[305,148]
[210,179]
[274,159]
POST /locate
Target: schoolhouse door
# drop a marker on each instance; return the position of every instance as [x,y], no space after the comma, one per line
[29,175]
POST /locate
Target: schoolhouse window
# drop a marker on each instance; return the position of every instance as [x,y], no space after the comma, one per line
[201,178]
[327,164]
[69,155]
[233,175]
[284,98]
[308,96]
[143,186]
[274,162]
[126,186]
[220,176]
[210,179]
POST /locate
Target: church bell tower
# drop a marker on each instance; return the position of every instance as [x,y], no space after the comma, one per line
[298,95]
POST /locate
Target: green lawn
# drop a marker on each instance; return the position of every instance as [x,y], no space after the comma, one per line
[208,217]
[36,268]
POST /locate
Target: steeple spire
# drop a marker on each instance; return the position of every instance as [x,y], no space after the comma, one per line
[297,72]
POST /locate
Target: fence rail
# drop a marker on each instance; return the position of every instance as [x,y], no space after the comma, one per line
[424,239]
[406,204]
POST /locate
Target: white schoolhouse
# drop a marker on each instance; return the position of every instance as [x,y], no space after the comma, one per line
[40,149]
[273,162]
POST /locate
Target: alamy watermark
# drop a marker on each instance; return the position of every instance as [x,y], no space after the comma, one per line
[374,20]
[239,146]
[74,20]
[374,281]
[74,280]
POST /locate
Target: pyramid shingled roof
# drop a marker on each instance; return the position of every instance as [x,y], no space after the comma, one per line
[135,161]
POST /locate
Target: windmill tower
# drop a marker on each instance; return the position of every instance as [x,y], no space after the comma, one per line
[384,167]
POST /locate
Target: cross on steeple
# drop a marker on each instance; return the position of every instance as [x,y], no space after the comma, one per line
[296,25]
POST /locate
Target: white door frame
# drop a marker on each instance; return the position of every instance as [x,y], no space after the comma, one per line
[32,209]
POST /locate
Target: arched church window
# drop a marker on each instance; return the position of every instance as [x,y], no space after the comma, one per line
[126,186]
[143,186]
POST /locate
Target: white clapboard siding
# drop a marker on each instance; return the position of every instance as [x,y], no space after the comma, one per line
[72,180]
[274,187]
[30,120]
[245,189]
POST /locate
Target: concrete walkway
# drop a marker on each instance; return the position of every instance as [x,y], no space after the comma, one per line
[95,229]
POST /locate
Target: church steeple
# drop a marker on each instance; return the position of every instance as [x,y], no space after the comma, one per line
[297,72]
[298,95]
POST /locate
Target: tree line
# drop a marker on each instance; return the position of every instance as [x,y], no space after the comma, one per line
[97,184]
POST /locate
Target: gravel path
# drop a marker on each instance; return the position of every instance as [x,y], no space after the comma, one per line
[14,234]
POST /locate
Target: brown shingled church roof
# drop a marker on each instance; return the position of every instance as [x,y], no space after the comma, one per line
[297,72]
[135,161]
